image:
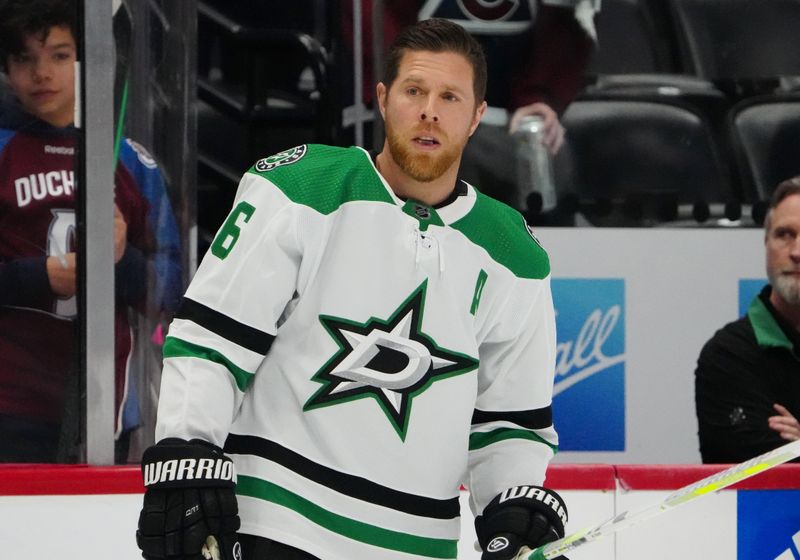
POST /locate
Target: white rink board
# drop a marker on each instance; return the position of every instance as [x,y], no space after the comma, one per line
[70,527]
[681,285]
[704,529]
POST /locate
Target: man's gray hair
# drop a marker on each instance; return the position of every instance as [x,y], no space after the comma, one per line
[784,189]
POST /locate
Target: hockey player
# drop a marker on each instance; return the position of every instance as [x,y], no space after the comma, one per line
[38,335]
[365,335]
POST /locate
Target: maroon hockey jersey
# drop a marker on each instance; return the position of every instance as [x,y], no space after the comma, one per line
[38,332]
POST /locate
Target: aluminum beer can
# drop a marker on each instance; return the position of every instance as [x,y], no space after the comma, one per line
[534,164]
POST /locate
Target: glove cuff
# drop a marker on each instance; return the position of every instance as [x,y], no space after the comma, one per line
[177,463]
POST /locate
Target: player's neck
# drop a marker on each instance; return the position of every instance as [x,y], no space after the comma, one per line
[404,186]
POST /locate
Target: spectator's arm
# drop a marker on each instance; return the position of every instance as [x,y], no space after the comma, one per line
[734,403]
[784,423]
[558,54]
[24,281]
[131,276]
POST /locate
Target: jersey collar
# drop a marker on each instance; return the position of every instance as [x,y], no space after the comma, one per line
[769,331]
[450,210]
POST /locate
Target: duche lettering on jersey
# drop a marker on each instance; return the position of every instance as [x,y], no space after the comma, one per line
[39,186]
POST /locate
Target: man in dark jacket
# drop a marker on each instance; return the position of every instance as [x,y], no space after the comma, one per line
[748,375]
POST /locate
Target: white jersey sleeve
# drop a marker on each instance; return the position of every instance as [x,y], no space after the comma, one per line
[512,438]
[230,314]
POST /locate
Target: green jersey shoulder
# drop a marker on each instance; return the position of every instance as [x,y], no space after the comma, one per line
[504,234]
[323,177]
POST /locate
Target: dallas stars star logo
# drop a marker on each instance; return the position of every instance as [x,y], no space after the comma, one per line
[391,361]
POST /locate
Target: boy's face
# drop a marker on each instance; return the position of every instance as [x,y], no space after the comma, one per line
[43,76]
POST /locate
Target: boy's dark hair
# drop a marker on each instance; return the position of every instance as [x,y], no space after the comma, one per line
[438,35]
[21,18]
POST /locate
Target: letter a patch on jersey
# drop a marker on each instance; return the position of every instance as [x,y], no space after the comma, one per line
[391,361]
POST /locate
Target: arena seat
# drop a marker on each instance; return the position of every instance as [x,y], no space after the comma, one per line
[766,134]
[749,43]
[261,88]
[633,38]
[640,163]
[638,58]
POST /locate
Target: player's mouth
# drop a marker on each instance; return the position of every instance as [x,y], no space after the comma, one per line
[427,142]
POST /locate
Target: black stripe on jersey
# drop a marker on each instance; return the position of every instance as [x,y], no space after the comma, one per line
[347,484]
[537,419]
[226,327]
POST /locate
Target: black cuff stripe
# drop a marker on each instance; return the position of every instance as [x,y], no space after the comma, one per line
[537,419]
[226,327]
[349,485]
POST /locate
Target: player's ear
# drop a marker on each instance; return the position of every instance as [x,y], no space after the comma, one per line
[381,92]
[476,119]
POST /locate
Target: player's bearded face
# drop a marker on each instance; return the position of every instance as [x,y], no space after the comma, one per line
[423,166]
[429,112]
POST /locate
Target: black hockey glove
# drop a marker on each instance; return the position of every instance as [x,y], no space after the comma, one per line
[189,498]
[521,516]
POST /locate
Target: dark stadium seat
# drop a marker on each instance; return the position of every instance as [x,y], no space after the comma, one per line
[277,78]
[743,42]
[262,87]
[638,58]
[638,163]
[766,135]
[633,38]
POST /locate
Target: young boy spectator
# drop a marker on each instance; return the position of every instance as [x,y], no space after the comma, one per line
[38,285]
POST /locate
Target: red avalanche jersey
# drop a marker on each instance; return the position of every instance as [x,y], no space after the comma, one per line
[38,340]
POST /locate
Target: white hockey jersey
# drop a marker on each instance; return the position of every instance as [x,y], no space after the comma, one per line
[360,357]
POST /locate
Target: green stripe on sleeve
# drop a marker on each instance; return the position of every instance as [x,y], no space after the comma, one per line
[350,528]
[479,440]
[177,348]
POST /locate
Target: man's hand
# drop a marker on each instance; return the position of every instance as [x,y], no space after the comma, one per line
[785,423]
[553,137]
[189,499]
[61,274]
[120,234]
[523,516]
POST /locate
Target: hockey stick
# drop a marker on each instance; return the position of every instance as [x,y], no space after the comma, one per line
[708,485]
